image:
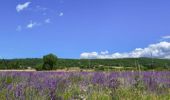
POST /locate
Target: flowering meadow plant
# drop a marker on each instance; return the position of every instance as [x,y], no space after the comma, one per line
[125,85]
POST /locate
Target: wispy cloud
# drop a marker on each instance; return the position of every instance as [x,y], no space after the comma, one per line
[158,50]
[61,14]
[32,24]
[166,37]
[48,20]
[21,7]
[40,8]
[37,10]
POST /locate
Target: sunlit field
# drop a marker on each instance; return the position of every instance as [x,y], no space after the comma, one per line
[124,85]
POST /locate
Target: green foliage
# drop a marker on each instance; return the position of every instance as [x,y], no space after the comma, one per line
[50,61]
[100,68]
[39,67]
[15,65]
[107,64]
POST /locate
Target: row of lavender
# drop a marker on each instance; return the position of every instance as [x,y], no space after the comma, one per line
[60,85]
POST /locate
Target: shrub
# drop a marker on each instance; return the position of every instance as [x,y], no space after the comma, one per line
[49,61]
[39,67]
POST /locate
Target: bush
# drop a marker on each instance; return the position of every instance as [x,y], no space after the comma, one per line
[49,61]
[100,68]
[39,67]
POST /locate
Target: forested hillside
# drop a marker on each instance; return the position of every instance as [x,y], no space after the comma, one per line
[86,63]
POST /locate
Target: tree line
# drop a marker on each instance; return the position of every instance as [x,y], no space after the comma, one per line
[51,61]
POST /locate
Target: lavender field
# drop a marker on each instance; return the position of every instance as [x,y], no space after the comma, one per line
[125,85]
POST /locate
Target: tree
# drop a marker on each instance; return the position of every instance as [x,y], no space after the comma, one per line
[15,65]
[49,61]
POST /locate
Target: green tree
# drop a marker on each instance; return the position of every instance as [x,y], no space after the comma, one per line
[49,61]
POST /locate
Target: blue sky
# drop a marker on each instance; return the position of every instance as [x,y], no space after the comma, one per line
[76,28]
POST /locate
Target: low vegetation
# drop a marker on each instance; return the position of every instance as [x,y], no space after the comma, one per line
[85,79]
[128,85]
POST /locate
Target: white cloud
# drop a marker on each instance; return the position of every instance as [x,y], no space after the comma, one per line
[158,50]
[32,24]
[48,20]
[89,55]
[61,14]
[104,52]
[166,37]
[21,7]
